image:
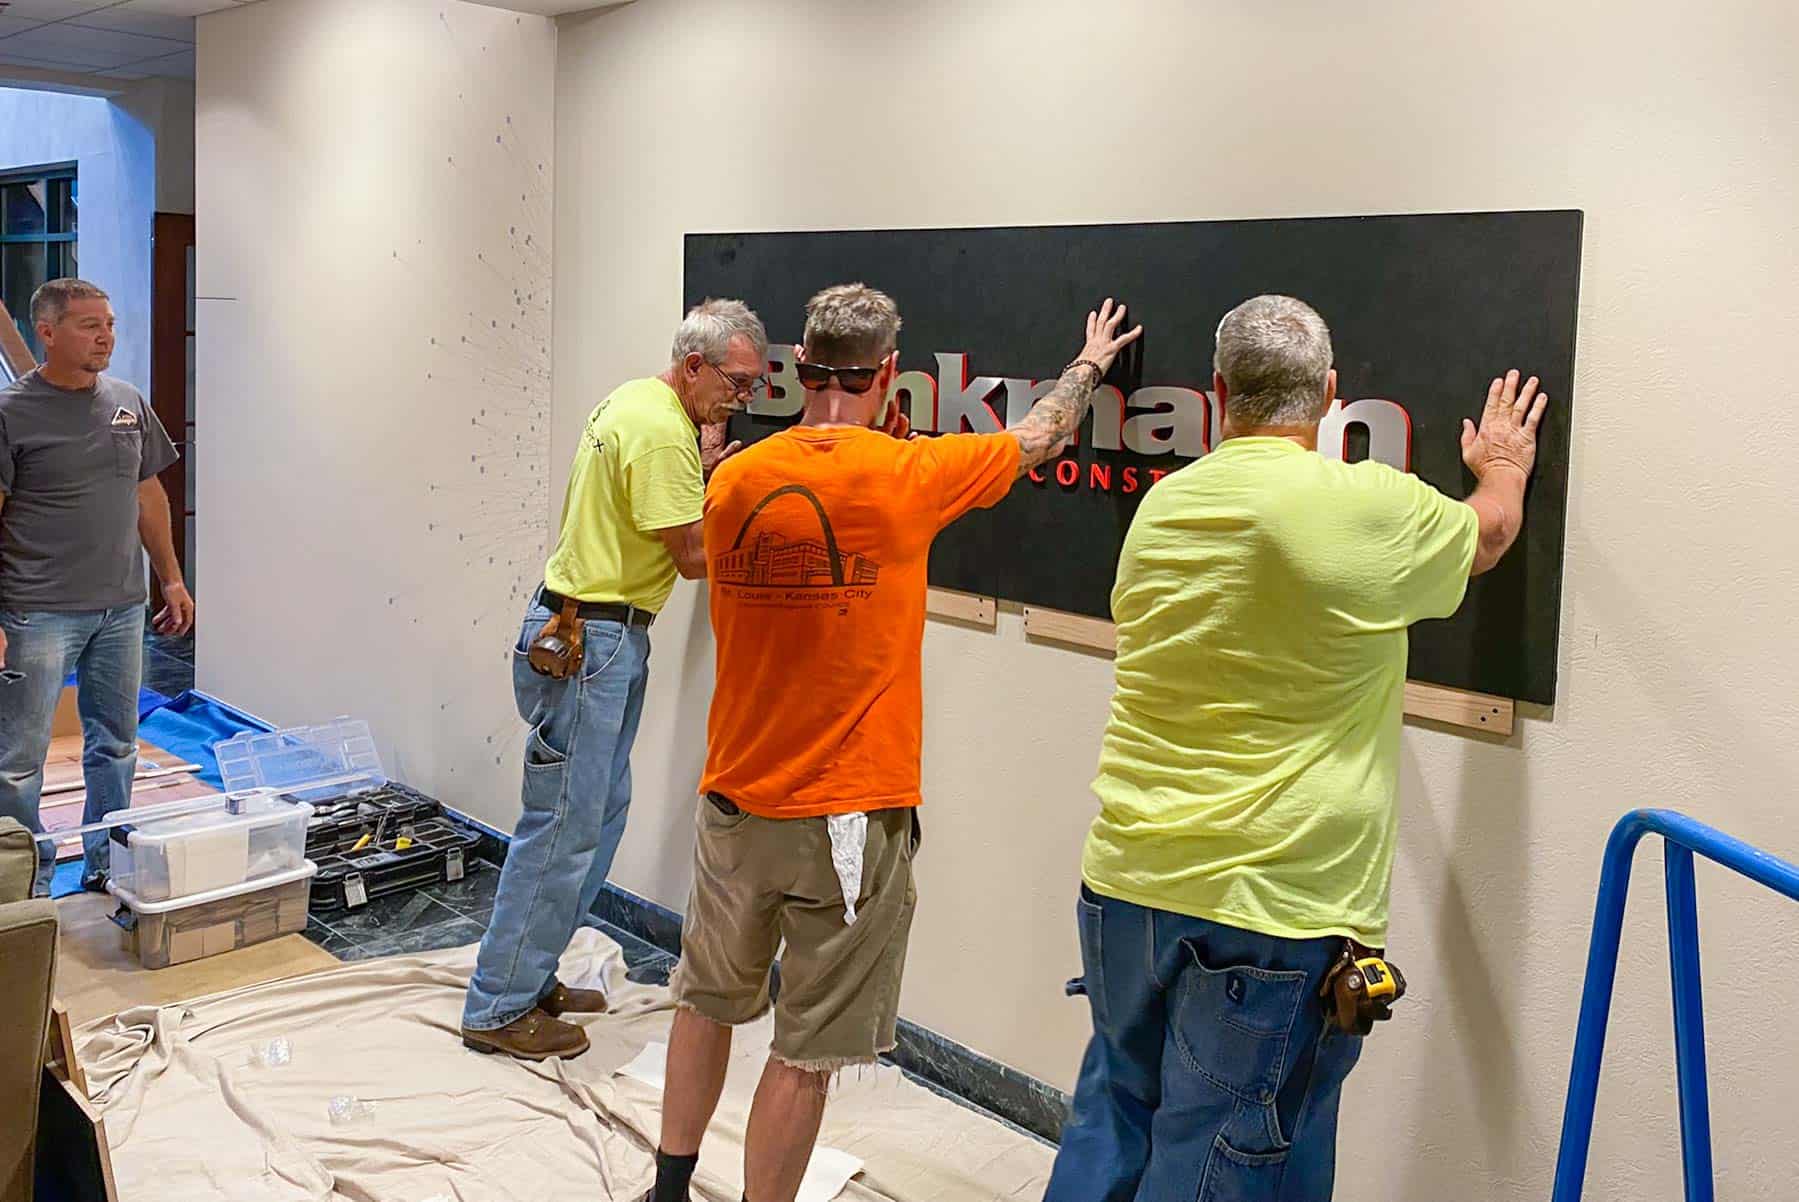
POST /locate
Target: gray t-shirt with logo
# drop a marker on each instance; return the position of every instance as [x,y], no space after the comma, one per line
[70,464]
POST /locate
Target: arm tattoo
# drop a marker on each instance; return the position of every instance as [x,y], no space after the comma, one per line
[1053,420]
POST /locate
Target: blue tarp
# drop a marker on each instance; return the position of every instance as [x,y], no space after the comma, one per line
[189,725]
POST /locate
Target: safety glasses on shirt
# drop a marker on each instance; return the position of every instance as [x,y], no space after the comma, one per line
[858,380]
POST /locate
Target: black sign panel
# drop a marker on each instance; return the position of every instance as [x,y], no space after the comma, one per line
[1424,311]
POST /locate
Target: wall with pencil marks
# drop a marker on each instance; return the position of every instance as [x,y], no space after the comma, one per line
[1670,129]
[374,186]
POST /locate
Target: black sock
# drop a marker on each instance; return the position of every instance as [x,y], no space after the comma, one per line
[672,1176]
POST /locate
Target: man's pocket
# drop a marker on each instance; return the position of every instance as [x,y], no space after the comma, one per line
[1232,1025]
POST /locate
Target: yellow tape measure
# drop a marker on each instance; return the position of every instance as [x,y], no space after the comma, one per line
[1380,979]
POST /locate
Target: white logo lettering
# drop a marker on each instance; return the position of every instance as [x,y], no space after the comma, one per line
[1389,429]
[1154,420]
[964,399]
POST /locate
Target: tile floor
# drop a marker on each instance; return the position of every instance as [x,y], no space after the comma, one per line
[449,915]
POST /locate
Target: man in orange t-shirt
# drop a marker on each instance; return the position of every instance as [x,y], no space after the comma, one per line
[816,544]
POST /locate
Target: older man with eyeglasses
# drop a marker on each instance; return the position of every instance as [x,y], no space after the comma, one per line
[631,522]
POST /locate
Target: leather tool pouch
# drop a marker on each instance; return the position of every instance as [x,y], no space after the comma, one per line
[557,650]
[1360,989]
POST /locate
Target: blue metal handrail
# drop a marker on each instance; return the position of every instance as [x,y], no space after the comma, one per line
[1681,836]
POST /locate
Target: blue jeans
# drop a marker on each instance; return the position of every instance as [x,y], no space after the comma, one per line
[577,793]
[105,649]
[1212,1074]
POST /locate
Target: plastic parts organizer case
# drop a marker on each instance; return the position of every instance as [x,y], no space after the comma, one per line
[358,815]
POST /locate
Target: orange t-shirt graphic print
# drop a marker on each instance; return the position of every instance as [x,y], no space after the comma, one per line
[817,541]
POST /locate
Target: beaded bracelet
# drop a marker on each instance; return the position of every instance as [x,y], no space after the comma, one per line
[1098,373]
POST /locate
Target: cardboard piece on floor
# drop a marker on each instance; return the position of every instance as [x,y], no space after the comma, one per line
[63,811]
[62,763]
[97,974]
[68,717]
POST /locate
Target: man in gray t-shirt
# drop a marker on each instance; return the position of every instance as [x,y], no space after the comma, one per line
[79,454]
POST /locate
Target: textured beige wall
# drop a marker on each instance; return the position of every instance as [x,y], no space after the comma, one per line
[374,185]
[1671,125]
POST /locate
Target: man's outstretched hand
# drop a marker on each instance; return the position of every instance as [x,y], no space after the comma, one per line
[1507,436]
[1501,453]
[1103,339]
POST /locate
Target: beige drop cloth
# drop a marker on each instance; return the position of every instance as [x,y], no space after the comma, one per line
[191,1118]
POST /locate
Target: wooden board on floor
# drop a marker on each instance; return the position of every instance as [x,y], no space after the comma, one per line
[63,811]
[62,764]
[98,975]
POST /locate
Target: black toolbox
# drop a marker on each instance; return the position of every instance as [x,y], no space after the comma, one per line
[390,840]
[339,822]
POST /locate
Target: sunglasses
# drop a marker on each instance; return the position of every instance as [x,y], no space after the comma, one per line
[858,380]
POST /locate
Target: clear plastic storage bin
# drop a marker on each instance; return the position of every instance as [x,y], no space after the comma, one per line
[172,858]
[222,920]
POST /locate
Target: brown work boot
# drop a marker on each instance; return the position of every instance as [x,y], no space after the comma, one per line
[563,1000]
[536,1036]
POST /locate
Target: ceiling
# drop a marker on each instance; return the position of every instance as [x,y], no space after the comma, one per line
[108,42]
[552,8]
[105,46]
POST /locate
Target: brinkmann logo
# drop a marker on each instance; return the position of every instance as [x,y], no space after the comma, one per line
[1153,420]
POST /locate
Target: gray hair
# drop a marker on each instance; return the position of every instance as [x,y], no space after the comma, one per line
[710,325]
[50,303]
[851,321]
[1274,353]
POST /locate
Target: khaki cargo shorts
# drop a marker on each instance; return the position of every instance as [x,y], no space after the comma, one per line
[760,881]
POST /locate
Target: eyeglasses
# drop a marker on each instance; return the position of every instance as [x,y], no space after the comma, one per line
[814,376]
[739,386]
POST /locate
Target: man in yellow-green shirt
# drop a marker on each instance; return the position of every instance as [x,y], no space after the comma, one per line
[1247,778]
[631,523]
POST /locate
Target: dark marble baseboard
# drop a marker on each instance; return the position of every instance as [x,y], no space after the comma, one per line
[955,1069]
[1019,1098]
[650,922]
[651,936]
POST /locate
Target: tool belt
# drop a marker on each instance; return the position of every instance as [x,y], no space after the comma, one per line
[1360,989]
[558,649]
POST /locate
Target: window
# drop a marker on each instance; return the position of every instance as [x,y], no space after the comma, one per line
[39,225]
